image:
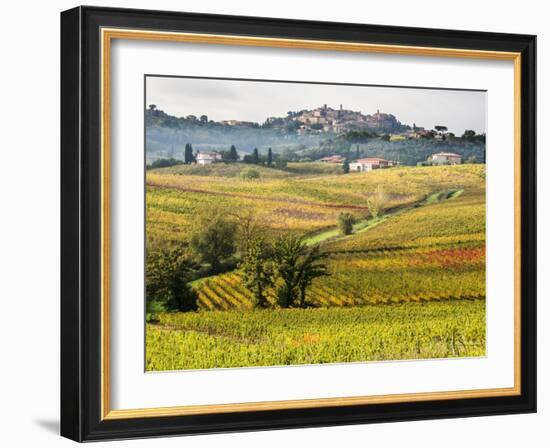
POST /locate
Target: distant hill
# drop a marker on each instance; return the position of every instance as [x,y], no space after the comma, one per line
[168,135]
[306,134]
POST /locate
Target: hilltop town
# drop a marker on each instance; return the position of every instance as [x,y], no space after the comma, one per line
[320,120]
[340,121]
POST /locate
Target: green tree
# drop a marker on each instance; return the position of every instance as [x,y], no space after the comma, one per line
[310,269]
[232,155]
[345,223]
[256,262]
[257,267]
[269,157]
[168,268]
[255,156]
[469,134]
[204,118]
[296,267]
[345,166]
[213,237]
[441,130]
[189,158]
[287,252]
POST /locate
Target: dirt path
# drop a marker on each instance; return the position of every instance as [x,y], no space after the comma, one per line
[333,234]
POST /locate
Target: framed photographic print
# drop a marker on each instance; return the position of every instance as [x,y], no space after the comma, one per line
[273,223]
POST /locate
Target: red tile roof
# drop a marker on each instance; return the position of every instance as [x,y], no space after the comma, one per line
[336,157]
[447,154]
[372,160]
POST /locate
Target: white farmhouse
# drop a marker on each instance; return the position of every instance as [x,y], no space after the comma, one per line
[206,158]
[369,164]
[446,158]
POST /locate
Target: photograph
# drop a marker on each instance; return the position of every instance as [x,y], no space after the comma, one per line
[291,223]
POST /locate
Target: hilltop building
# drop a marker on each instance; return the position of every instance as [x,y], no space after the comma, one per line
[446,158]
[237,123]
[339,121]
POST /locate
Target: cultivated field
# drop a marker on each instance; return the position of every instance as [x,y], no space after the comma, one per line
[408,283]
[327,335]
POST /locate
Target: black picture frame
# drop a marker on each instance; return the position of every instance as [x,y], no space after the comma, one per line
[81,227]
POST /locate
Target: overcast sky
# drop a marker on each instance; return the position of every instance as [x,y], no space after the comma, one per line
[256,100]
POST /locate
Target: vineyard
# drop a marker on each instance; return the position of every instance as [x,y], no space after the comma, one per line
[433,252]
[286,201]
[212,339]
[401,285]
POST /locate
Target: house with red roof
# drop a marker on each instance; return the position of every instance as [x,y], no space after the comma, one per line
[333,159]
[369,164]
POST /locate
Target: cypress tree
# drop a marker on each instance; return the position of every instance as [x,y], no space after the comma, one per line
[233,156]
[346,166]
[255,157]
[188,153]
[269,157]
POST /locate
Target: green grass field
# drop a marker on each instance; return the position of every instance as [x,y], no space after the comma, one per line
[407,284]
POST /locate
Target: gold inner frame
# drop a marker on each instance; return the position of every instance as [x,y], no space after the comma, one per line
[107,35]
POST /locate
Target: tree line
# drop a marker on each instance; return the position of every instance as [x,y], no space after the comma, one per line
[230,156]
